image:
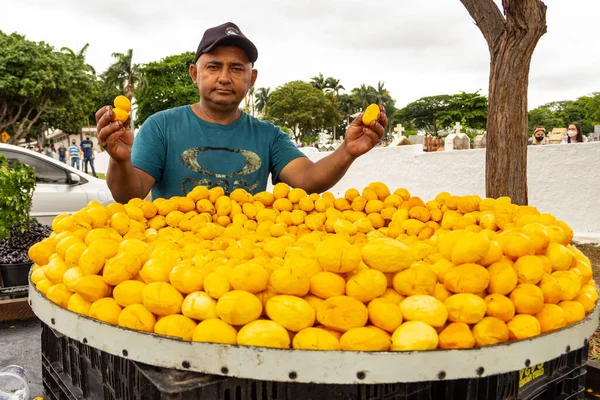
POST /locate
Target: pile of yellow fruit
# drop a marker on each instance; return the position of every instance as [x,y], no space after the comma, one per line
[371,271]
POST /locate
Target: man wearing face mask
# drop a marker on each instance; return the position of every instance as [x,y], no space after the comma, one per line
[539,136]
[87,146]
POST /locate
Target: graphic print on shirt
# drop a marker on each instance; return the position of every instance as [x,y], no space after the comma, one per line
[229,182]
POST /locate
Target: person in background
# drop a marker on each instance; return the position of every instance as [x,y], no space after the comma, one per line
[62,153]
[87,146]
[48,151]
[74,154]
[539,136]
[574,133]
[38,148]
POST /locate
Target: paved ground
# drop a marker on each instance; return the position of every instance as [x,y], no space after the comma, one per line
[20,344]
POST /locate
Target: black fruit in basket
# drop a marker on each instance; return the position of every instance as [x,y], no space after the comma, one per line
[13,250]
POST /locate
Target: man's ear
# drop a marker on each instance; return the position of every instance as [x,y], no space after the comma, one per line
[253,78]
[193,72]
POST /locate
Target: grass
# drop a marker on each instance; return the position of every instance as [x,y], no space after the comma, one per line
[101,175]
[592,251]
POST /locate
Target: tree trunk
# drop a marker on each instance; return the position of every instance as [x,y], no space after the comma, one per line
[511,42]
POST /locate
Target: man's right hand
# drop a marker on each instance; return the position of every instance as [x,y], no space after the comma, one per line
[114,136]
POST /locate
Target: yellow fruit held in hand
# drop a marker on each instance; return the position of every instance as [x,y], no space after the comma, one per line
[122,103]
[176,325]
[457,335]
[264,333]
[413,336]
[366,338]
[371,114]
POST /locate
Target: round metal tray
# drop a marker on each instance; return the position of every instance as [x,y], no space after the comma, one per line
[331,367]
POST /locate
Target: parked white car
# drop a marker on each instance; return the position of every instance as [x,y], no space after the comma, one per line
[59,187]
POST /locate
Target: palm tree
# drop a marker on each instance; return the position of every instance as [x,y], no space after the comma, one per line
[124,75]
[382,95]
[80,56]
[250,98]
[319,82]
[365,94]
[334,85]
[262,100]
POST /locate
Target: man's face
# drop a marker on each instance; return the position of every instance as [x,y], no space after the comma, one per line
[73,142]
[87,138]
[223,77]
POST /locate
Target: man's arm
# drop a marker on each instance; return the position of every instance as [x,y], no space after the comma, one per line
[127,182]
[322,175]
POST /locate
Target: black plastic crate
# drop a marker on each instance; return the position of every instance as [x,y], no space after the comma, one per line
[74,370]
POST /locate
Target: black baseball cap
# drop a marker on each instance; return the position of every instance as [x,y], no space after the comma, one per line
[227,34]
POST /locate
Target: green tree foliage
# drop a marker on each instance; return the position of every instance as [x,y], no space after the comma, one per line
[167,84]
[42,87]
[304,109]
[434,113]
[559,114]
[17,183]
[124,75]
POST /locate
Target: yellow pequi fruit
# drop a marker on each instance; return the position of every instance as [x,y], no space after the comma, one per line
[551,318]
[264,333]
[199,306]
[327,284]
[315,339]
[499,306]
[79,305]
[371,114]
[527,298]
[129,292]
[239,307]
[137,317]
[366,338]
[92,288]
[414,336]
[385,314]
[465,307]
[574,311]
[337,255]
[291,280]
[105,310]
[387,255]
[467,278]
[415,280]
[120,268]
[213,330]
[425,308]
[523,326]
[59,294]
[366,285]
[162,299]
[250,276]
[490,331]
[176,325]
[457,335]
[342,313]
[291,312]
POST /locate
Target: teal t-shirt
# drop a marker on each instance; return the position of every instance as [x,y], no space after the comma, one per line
[180,151]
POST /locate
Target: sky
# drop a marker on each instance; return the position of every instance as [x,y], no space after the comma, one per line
[417,48]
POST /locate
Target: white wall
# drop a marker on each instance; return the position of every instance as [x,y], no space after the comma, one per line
[564,180]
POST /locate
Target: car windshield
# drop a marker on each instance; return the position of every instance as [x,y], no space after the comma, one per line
[45,172]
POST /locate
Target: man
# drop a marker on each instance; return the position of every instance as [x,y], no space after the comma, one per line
[62,153]
[87,146]
[74,154]
[213,142]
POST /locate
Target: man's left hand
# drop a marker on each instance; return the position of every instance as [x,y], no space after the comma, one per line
[361,138]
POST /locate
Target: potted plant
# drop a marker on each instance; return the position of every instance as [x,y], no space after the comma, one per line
[17,231]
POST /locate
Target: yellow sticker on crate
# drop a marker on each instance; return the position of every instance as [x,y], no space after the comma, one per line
[529,374]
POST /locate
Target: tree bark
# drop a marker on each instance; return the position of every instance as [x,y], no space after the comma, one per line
[22,129]
[511,41]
